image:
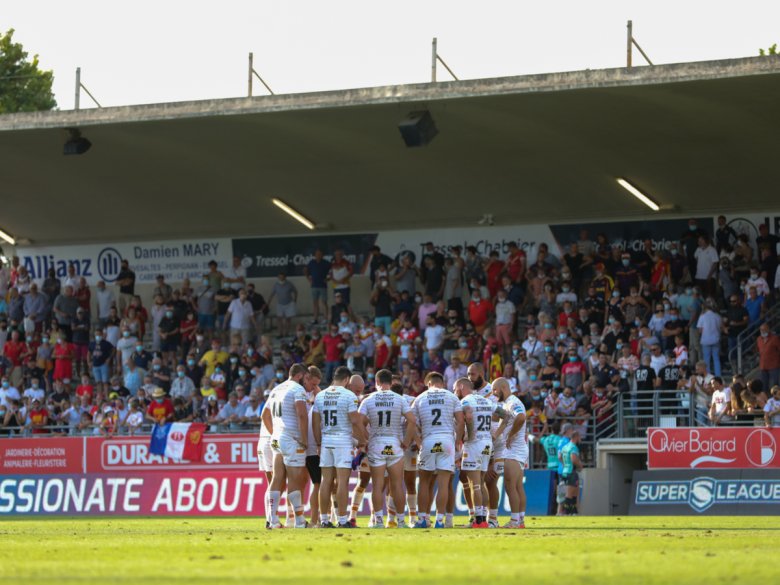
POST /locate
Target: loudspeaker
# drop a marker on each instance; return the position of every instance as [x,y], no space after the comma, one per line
[76,146]
[418,128]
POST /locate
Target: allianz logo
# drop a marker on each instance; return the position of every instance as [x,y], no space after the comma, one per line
[702,493]
[106,267]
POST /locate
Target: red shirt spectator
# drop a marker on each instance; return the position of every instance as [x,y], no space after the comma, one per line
[15,350]
[333,346]
[563,318]
[83,295]
[381,356]
[768,350]
[515,263]
[493,271]
[577,367]
[160,409]
[479,311]
[85,390]
[39,417]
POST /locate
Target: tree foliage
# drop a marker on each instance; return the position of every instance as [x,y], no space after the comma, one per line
[23,86]
[770,51]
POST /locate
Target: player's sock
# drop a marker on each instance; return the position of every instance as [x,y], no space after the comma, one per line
[522,516]
[515,517]
[473,512]
[411,502]
[391,511]
[439,517]
[290,512]
[449,518]
[324,518]
[379,518]
[295,500]
[357,501]
[344,519]
[266,500]
[273,505]
[493,515]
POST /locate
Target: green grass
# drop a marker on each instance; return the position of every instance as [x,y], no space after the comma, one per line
[551,550]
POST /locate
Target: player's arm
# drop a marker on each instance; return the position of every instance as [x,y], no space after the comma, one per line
[267,419]
[468,420]
[517,424]
[411,430]
[460,423]
[316,428]
[358,429]
[576,461]
[303,422]
[500,414]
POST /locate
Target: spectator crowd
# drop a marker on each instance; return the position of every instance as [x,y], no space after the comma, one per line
[576,333]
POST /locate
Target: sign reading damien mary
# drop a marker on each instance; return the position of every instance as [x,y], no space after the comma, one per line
[713,448]
[175,259]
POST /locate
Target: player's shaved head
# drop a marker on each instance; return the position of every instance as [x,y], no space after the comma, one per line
[356,384]
[501,387]
[476,368]
[463,387]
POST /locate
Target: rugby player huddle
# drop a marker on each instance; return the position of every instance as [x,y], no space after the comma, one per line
[407,447]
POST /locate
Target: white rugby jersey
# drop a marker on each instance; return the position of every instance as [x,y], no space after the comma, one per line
[482,410]
[282,401]
[514,407]
[334,405]
[435,411]
[386,412]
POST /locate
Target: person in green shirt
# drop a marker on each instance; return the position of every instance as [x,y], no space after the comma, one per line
[571,464]
[550,445]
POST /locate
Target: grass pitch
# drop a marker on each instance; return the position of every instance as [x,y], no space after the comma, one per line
[551,550]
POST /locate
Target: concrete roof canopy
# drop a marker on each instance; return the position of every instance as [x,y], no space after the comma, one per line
[700,138]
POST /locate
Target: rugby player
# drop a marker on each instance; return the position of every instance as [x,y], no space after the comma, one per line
[571,464]
[357,386]
[312,387]
[476,374]
[439,417]
[384,413]
[285,415]
[477,440]
[516,454]
[335,421]
[410,457]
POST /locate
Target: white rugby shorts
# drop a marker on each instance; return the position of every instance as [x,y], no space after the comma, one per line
[437,453]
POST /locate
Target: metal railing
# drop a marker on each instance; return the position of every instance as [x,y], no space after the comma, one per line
[744,357]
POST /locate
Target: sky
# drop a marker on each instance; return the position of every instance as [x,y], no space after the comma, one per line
[143,51]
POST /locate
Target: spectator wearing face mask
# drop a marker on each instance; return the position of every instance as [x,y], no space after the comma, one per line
[626,274]
[758,281]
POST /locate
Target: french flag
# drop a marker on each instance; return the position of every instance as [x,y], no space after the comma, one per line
[178,441]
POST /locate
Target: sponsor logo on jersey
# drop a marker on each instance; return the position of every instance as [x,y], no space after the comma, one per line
[486,450]
[274,444]
[437,448]
[388,450]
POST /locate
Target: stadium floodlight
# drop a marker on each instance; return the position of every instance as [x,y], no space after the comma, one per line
[8,238]
[638,194]
[291,212]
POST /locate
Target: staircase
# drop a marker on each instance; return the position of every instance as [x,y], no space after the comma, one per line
[744,357]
